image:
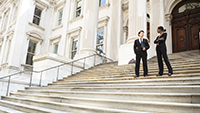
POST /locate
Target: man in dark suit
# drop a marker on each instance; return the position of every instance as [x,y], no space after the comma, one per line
[141,46]
[161,51]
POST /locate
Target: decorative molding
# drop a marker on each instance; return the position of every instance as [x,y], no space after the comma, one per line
[2,31]
[7,66]
[125,6]
[36,26]
[76,19]
[58,27]
[74,30]
[32,35]
[104,6]
[168,18]
[55,39]
[41,3]
[125,29]
[103,20]
[27,67]
[60,4]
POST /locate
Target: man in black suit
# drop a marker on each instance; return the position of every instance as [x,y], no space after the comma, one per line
[161,51]
[141,46]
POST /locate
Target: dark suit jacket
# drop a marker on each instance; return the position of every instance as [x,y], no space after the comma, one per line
[161,43]
[137,46]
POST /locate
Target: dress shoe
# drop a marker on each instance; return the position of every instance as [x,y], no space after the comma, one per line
[170,74]
[136,76]
[158,75]
[145,75]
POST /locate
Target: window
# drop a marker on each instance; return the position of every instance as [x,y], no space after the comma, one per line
[5,21]
[186,5]
[60,17]
[102,2]
[30,53]
[74,47]
[78,8]
[100,40]
[56,48]
[37,16]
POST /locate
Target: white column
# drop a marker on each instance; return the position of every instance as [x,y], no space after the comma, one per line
[137,19]
[162,12]
[89,31]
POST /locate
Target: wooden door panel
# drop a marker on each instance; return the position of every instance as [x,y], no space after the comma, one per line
[181,39]
[185,31]
[194,37]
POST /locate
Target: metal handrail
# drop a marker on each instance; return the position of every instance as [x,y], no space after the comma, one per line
[58,66]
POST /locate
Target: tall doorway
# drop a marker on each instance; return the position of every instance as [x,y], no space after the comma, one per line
[186,26]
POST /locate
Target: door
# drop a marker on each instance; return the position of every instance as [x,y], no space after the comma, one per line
[185,30]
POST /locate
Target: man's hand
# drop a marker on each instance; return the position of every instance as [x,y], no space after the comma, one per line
[144,48]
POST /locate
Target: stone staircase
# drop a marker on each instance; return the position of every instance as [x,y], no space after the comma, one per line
[110,88]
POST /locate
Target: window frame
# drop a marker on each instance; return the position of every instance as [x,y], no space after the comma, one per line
[100,44]
[101,4]
[60,18]
[78,8]
[31,53]
[56,51]
[74,50]
[36,16]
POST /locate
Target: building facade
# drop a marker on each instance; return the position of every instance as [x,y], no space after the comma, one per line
[35,32]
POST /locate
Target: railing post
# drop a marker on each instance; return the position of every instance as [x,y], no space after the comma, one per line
[84,64]
[57,74]
[72,68]
[8,86]
[40,84]
[31,79]
[94,59]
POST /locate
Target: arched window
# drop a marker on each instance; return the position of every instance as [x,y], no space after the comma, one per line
[186,5]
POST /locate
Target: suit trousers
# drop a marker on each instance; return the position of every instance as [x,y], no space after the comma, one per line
[162,52]
[142,56]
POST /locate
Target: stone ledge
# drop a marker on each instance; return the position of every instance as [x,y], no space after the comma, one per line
[60,26]
[76,19]
[36,26]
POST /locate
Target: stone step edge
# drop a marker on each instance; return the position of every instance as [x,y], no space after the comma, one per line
[132,102]
[77,106]
[135,80]
[8,110]
[106,93]
[29,107]
[125,78]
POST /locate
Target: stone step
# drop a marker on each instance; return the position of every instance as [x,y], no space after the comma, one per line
[128,78]
[111,104]
[28,108]
[69,107]
[141,76]
[96,81]
[121,85]
[131,73]
[56,96]
[8,110]
[185,67]
[163,79]
[149,65]
[147,89]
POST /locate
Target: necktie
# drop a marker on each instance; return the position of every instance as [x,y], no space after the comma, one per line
[142,44]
